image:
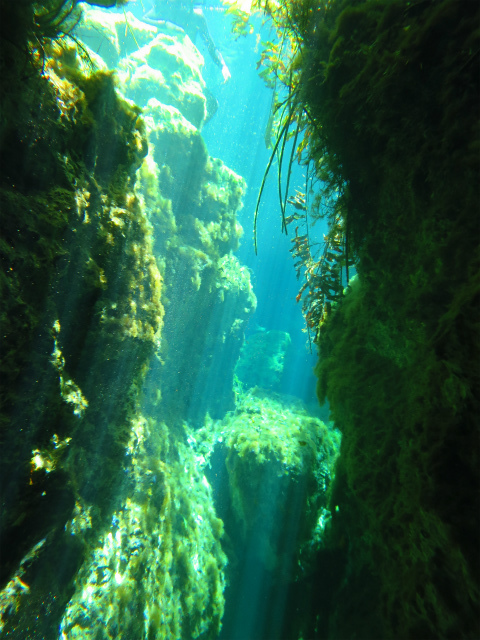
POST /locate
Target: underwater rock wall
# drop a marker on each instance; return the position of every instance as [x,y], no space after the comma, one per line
[209,298]
[192,201]
[262,359]
[81,316]
[157,571]
[399,356]
[112,265]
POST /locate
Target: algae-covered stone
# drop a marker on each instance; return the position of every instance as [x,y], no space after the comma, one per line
[262,359]
[234,277]
[111,34]
[157,572]
[81,316]
[280,463]
[192,201]
[168,69]
[179,152]
[164,65]
[393,91]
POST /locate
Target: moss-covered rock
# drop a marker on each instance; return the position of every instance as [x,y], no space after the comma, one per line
[158,570]
[113,35]
[81,316]
[262,359]
[192,201]
[169,70]
[279,462]
[397,108]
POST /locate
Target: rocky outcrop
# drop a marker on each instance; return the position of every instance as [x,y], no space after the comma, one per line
[117,233]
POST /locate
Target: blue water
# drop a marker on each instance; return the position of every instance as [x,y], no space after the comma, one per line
[236,135]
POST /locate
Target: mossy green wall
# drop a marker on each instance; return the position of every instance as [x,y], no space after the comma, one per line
[104,507]
[81,315]
[399,357]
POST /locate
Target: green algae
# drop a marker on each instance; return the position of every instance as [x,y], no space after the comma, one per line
[397,114]
[164,536]
[117,493]
[65,232]
[277,458]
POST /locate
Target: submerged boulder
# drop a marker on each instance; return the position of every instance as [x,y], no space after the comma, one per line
[279,463]
[169,69]
[262,359]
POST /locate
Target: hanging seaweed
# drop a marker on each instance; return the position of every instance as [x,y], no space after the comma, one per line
[323,267]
